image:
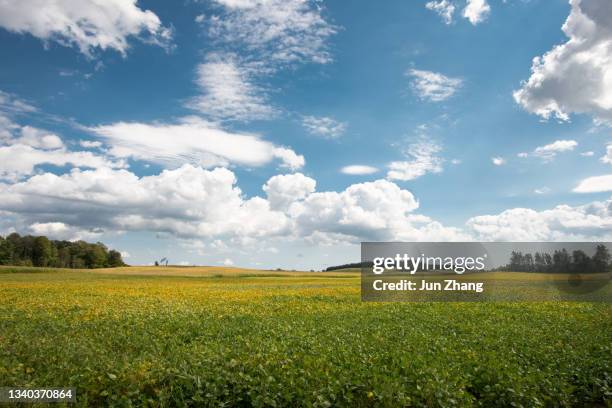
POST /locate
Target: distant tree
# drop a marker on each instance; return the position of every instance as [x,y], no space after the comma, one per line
[156,263]
[561,261]
[41,251]
[601,259]
[581,263]
[114,259]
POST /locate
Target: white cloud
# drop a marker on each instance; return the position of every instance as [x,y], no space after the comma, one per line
[574,77]
[498,161]
[549,151]
[193,202]
[596,184]
[228,262]
[358,170]
[324,126]
[283,190]
[423,159]
[61,231]
[39,138]
[276,31]
[90,144]
[228,91]
[476,11]
[87,24]
[377,210]
[443,8]
[192,140]
[543,190]
[588,222]
[19,160]
[125,254]
[433,86]
[607,158]
[588,154]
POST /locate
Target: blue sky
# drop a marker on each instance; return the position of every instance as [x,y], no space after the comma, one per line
[114,117]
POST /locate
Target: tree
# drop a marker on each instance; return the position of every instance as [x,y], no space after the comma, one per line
[601,259]
[41,251]
[114,259]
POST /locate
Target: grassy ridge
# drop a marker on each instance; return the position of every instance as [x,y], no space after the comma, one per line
[192,336]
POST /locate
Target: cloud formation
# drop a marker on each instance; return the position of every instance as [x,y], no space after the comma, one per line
[282,32]
[422,159]
[563,223]
[192,140]
[476,11]
[576,76]
[595,184]
[432,86]
[358,170]
[324,126]
[86,24]
[229,91]
[443,8]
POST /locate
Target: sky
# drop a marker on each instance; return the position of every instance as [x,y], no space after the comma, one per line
[282,133]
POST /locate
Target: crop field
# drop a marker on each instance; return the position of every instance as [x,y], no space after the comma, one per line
[234,337]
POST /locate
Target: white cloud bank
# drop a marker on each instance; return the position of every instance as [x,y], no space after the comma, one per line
[86,24]
[576,76]
[432,86]
[563,223]
[193,202]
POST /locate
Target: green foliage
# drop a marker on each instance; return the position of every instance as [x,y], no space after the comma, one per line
[40,251]
[293,341]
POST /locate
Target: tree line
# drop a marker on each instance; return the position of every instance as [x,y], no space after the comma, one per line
[31,250]
[560,261]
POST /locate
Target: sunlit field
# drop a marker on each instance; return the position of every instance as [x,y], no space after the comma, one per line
[237,337]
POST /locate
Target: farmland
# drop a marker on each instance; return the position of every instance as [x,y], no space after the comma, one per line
[234,337]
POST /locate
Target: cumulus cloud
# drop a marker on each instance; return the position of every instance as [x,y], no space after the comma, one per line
[192,140]
[422,159]
[86,24]
[324,126]
[377,210]
[433,86]
[596,184]
[443,8]
[194,202]
[283,190]
[576,76]
[563,223]
[229,92]
[358,170]
[476,11]
[280,32]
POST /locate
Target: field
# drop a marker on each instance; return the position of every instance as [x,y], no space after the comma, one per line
[233,337]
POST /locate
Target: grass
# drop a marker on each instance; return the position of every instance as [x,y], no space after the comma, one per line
[236,337]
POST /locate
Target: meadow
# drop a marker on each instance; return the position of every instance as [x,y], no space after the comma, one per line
[235,337]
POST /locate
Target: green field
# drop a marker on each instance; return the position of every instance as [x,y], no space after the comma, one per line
[232,337]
